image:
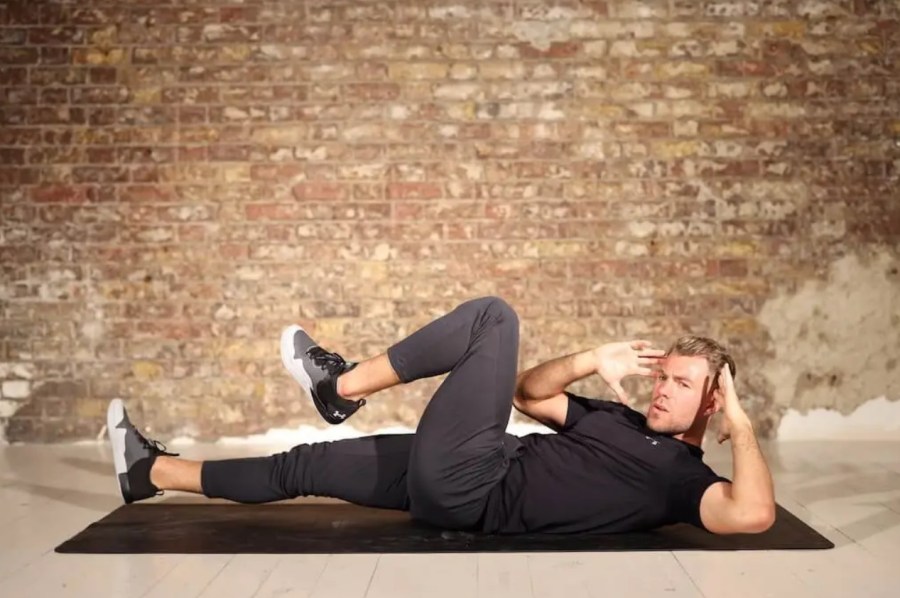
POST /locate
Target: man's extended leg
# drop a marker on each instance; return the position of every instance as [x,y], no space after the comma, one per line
[170,473]
[370,471]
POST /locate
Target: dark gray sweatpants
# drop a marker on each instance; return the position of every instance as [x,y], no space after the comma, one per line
[444,472]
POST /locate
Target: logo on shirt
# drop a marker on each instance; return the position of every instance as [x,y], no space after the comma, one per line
[653,442]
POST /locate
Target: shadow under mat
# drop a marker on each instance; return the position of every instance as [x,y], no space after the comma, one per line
[346,528]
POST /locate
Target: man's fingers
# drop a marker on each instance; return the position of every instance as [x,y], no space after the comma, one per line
[724,431]
[653,353]
[645,372]
[725,379]
[648,360]
[620,393]
[640,344]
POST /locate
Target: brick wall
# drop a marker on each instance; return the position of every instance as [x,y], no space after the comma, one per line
[178,180]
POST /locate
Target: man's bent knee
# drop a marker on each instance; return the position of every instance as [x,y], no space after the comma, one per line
[500,308]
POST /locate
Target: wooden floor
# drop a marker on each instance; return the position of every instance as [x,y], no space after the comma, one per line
[850,492]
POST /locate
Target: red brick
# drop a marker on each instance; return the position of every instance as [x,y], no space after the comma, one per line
[270,211]
[276,172]
[12,75]
[555,50]
[193,233]
[744,68]
[54,75]
[53,55]
[100,174]
[54,115]
[14,115]
[171,329]
[195,93]
[229,153]
[60,193]
[358,92]
[10,55]
[146,193]
[55,35]
[103,75]
[321,190]
[192,153]
[54,96]
[414,191]
[10,156]
[239,14]
[99,95]
[89,15]
[234,251]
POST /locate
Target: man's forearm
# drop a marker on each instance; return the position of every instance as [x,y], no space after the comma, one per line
[552,377]
[752,488]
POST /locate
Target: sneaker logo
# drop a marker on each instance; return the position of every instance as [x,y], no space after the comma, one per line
[653,442]
[338,414]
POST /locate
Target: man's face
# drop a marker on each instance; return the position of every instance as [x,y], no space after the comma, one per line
[677,393]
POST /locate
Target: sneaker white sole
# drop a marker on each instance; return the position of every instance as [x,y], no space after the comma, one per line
[114,414]
[293,366]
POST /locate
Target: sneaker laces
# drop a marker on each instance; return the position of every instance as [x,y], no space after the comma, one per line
[155,446]
[333,363]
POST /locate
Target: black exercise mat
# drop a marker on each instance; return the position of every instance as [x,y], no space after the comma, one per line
[344,528]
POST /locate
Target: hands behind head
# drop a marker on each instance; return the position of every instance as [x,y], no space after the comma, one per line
[616,361]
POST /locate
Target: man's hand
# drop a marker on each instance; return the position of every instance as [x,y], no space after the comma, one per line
[732,412]
[616,361]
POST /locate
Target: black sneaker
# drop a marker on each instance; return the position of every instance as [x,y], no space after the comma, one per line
[133,455]
[317,371]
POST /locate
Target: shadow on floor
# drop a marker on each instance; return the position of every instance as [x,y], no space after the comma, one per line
[91,466]
[857,485]
[94,501]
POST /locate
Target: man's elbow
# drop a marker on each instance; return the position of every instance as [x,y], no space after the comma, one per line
[760,520]
[518,403]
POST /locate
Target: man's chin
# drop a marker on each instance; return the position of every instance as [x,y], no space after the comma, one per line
[662,428]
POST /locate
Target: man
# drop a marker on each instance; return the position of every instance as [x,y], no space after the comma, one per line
[608,468]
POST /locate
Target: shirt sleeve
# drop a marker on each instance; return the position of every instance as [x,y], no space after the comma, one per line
[580,406]
[690,484]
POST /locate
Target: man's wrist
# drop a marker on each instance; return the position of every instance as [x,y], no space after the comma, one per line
[551,377]
[585,363]
[738,417]
[740,425]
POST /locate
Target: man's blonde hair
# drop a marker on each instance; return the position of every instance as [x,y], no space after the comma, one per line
[701,346]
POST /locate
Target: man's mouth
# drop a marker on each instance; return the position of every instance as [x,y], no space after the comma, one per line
[659,407]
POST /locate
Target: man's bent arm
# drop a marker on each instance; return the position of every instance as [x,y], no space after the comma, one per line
[747,505]
[752,490]
[552,377]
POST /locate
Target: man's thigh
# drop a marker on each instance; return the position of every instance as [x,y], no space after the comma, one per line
[460,450]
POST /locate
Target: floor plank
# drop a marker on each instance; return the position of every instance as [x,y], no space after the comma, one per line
[503,576]
[346,576]
[189,576]
[603,574]
[432,575]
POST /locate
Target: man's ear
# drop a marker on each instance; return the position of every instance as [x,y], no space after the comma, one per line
[713,401]
[714,406]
